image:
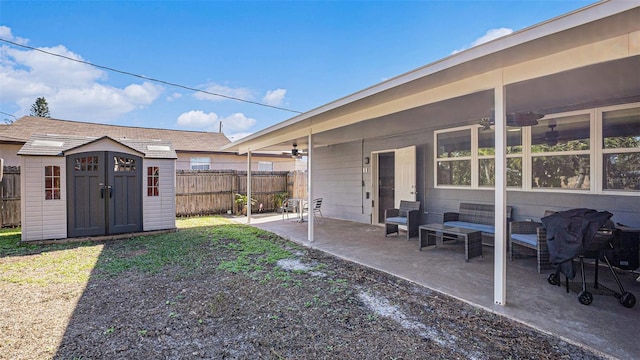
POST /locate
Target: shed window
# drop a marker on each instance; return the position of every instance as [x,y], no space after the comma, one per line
[153,181]
[87,163]
[52,182]
[122,163]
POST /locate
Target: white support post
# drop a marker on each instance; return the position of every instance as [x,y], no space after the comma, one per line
[500,266]
[249,187]
[310,215]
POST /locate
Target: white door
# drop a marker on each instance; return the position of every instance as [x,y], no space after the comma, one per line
[405,174]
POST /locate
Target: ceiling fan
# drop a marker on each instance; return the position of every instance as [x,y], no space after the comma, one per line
[517,119]
[295,153]
[551,136]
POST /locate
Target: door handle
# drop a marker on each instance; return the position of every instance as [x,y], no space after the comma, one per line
[110,191]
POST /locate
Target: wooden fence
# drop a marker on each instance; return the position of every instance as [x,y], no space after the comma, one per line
[10,197]
[200,192]
[213,192]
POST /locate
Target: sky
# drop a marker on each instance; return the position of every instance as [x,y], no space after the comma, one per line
[280,57]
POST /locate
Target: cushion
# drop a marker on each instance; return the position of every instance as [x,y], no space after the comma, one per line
[467,225]
[531,239]
[397,220]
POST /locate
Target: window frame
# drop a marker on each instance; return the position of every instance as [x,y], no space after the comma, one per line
[53,189]
[153,172]
[195,162]
[596,153]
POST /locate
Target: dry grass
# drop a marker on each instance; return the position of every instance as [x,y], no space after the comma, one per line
[216,290]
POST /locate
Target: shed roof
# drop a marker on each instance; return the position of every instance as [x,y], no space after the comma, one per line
[23,128]
[57,145]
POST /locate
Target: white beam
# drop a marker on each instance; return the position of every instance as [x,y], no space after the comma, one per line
[500,269]
[310,215]
[249,187]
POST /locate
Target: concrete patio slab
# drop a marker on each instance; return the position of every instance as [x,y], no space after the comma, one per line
[604,326]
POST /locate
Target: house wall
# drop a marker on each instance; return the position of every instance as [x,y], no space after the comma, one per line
[9,153]
[158,212]
[42,219]
[235,162]
[339,177]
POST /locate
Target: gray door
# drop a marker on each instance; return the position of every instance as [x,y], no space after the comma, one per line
[104,192]
[386,183]
[124,190]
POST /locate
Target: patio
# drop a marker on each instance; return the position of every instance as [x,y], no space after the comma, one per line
[605,325]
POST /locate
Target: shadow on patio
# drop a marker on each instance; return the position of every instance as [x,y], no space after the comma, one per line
[605,325]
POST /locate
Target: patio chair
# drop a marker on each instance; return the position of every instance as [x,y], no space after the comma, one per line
[316,208]
[528,239]
[289,206]
[408,215]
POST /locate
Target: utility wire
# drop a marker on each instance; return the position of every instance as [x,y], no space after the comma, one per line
[150,79]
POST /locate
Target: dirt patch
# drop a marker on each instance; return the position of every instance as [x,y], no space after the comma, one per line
[306,306]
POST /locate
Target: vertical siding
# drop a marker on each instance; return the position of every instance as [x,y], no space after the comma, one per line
[42,219]
[158,212]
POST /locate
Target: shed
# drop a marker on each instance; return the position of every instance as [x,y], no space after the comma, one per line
[77,186]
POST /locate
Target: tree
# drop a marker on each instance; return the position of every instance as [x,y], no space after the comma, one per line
[40,108]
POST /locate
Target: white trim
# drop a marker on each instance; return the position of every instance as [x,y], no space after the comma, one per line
[595,153]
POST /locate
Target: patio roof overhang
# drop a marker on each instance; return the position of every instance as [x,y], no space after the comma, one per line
[585,58]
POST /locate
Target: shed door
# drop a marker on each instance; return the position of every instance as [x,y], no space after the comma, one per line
[104,193]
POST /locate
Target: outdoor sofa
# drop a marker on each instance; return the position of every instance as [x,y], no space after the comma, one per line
[478,217]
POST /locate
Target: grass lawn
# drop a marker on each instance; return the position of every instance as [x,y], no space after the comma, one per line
[215,289]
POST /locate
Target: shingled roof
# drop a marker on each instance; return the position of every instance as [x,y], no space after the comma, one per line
[23,128]
[56,145]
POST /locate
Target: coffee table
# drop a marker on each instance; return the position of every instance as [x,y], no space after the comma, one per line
[432,235]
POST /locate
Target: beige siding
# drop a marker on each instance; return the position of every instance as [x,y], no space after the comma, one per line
[159,211]
[8,153]
[42,219]
[238,162]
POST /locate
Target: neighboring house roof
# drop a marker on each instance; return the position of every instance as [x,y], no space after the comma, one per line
[56,145]
[186,141]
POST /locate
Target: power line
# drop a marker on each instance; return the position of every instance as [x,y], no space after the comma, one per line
[150,79]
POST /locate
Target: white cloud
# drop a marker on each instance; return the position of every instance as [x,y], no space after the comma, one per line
[234,126]
[490,35]
[5,33]
[239,93]
[274,97]
[237,122]
[197,119]
[73,90]
[174,96]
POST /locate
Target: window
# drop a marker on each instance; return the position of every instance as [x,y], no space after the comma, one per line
[487,157]
[122,163]
[454,158]
[52,182]
[621,149]
[593,150]
[265,166]
[86,163]
[200,163]
[560,150]
[464,152]
[153,181]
